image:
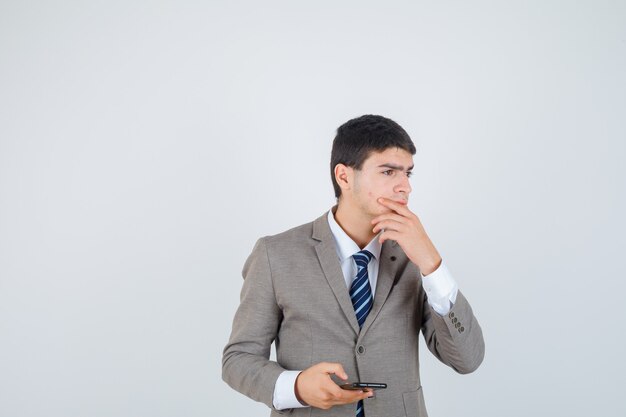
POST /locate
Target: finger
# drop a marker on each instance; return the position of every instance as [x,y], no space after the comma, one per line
[338,393]
[346,396]
[389,225]
[389,216]
[357,396]
[367,393]
[388,235]
[397,207]
[334,368]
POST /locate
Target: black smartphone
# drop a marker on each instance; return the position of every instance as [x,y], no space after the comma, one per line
[363,385]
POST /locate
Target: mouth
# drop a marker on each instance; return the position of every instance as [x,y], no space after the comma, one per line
[401,201]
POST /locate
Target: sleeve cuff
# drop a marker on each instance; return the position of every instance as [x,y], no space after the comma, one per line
[441,289]
[284,391]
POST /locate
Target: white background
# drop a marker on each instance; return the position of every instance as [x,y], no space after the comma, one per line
[145,146]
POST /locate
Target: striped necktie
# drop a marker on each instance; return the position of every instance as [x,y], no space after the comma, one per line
[361,296]
[360,290]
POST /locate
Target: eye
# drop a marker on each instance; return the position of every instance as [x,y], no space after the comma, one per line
[409,174]
[388,172]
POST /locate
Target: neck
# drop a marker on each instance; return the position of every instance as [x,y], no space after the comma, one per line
[357,225]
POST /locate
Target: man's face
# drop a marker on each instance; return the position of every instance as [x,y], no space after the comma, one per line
[384,174]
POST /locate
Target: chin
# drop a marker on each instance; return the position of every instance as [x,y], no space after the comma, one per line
[382,210]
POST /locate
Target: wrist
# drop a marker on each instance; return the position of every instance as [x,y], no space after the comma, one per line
[296,391]
[430,267]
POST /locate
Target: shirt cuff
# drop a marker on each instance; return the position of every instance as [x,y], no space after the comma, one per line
[285,392]
[441,289]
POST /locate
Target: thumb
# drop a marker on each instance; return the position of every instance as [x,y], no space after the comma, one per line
[337,369]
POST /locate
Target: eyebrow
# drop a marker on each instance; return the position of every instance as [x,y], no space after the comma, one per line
[394,166]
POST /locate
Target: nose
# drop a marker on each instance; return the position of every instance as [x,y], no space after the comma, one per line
[403,186]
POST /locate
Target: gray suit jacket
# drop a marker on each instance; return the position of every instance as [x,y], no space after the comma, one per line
[294,294]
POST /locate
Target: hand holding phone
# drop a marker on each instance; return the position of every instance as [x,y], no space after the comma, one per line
[315,387]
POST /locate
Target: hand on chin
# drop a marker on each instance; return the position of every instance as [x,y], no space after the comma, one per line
[382,209]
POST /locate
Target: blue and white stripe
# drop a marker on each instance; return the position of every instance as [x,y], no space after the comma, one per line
[360,290]
[359,409]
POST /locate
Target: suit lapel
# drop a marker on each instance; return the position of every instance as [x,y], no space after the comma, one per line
[327,254]
[387,271]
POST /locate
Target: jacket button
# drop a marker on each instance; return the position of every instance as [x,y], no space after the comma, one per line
[451,315]
[360,350]
[454,320]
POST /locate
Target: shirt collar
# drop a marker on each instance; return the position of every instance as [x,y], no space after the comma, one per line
[345,245]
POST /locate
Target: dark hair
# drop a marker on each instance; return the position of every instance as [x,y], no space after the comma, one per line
[358,138]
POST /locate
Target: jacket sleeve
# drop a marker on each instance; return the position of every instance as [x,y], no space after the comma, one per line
[456,338]
[245,362]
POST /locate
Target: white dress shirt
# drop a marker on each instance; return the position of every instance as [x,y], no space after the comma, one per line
[439,285]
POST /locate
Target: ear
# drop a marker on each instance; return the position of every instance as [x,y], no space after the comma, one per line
[344,176]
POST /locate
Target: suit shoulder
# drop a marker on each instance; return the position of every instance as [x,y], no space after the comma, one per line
[292,236]
[296,237]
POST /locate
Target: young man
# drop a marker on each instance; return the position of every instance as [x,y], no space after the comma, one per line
[345,296]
